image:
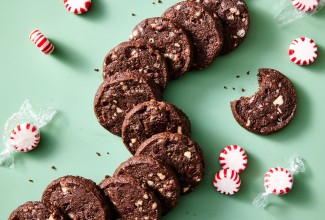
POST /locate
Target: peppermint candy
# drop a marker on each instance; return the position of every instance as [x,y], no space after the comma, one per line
[233,160]
[278,181]
[77,6]
[303,51]
[25,137]
[41,42]
[233,157]
[227,182]
[305,5]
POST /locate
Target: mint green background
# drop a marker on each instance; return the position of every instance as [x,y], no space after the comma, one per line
[66,80]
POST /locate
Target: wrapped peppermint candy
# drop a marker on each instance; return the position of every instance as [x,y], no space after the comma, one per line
[21,131]
[279,181]
[291,10]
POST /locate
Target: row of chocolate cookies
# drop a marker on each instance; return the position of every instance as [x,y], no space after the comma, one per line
[190,34]
[143,187]
[128,103]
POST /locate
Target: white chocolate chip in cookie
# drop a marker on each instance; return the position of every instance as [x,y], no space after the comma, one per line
[118,110]
[188,154]
[179,130]
[161,176]
[185,189]
[278,101]
[248,123]
[241,33]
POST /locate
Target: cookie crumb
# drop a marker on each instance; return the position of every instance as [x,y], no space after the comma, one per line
[53,167]
[96,70]
[133,14]
[159,1]
[107,176]
[233,88]
[98,154]
[243,90]
[237,76]
[248,72]
[31,181]
[225,87]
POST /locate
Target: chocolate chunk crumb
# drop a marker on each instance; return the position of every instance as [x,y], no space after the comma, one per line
[237,76]
[53,167]
[107,176]
[243,90]
[159,1]
[96,70]
[247,72]
[233,88]
[107,152]
[98,154]
[133,14]
[31,181]
[225,87]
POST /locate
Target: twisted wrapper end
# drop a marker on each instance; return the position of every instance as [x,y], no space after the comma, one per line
[7,158]
[261,200]
[296,165]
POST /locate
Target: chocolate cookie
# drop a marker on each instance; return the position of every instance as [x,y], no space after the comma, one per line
[204,30]
[235,20]
[170,39]
[271,108]
[152,117]
[137,56]
[181,153]
[160,178]
[118,95]
[78,198]
[34,211]
[131,198]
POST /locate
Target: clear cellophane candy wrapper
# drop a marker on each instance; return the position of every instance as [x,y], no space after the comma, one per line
[286,13]
[26,114]
[296,166]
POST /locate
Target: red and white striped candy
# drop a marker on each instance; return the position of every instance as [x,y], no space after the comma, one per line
[278,181]
[77,6]
[303,51]
[227,181]
[41,42]
[25,137]
[233,157]
[305,5]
